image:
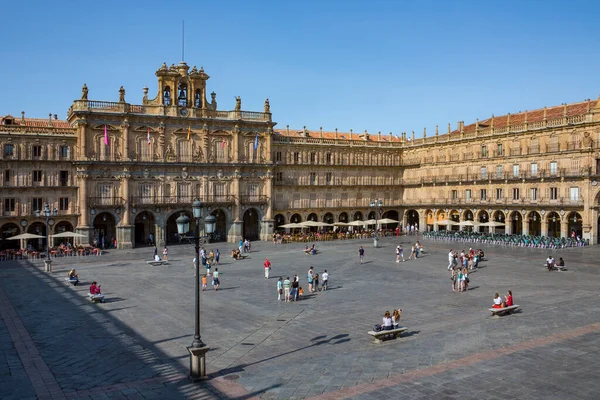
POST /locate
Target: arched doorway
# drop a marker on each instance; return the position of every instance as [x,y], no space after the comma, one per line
[553,220]
[372,215]
[412,217]
[499,220]
[171,234]
[7,231]
[104,229]
[535,223]
[220,234]
[483,218]
[343,217]
[144,226]
[251,226]
[454,216]
[516,223]
[279,220]
[358,216]
[37,228]
[62,226]
[575,225]
[429,219]
[312,217]
[296,219]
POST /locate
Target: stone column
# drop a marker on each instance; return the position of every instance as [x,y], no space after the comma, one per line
[235,232]
[82,140]
[125,133]
[268,223]
[564,226]
[83,227]
[125,229]
[235,145]
[544,226]
[525,225]
[508,226]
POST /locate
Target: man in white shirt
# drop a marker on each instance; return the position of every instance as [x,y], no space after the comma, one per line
[450,259]
[325,279]
[550,263]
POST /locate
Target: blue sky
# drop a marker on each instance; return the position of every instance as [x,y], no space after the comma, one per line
[388,66]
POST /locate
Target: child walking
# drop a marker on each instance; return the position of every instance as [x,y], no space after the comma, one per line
[203,282]
[216,281]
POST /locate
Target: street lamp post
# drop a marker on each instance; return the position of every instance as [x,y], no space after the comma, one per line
[48,213]
[377,204]
[198,349]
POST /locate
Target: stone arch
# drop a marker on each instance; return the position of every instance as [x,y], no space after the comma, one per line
[296,218]
[343,217]
[575,223]
[144,225]
[105,228]
[171,234]
[251,227]
[221,224]
[279,220]
[554,222]
[8,230]
[358,216]
[535,223]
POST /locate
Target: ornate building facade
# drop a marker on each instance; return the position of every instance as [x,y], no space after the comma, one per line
[115,169]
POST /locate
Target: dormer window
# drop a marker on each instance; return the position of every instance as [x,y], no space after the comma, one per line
[8,121]
[167,96]
[182,97]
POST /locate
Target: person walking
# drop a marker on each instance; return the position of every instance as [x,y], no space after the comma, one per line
[279,288]
[203,283]
[216,281]
[166,254]
[315,282]
[450,259]
[267,266]
[295,286]
[325,280]
[412,253]
[310,279]
[217,256]
[361,254]
[155,253]
[397,254]
[286,289]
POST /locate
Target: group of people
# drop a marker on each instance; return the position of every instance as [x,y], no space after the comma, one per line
[290,289]
[469,260]
[165,253]
[551,264]
[215,279]
[507,302]
[390,320]
[412,229]
[94,290]
[310,250]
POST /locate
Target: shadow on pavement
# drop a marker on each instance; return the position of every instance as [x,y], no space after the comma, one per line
[63,318]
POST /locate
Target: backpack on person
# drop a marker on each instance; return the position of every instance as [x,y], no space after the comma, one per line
[377,328]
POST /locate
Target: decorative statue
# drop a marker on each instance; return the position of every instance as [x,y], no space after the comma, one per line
[238,103]
[121,94]
[84,92]
[267,106]
[169,152]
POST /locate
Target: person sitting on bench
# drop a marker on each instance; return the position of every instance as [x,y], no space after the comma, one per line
[396,314]
[561,262]
[74,276]
[387,322]
[96,292]
[313,249]
[498,303]
[550,263]
[508,299]
[236,254]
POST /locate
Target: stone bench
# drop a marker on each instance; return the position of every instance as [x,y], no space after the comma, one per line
[155,263]
[381,335]
[96,298]
[70,281]
[503,311]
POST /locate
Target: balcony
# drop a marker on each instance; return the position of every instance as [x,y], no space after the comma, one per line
[253,199]
[100,202]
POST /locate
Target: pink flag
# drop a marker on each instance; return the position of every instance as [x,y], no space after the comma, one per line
[105,136]
[149,136]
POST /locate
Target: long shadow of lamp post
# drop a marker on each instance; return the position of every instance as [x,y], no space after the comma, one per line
[198,349]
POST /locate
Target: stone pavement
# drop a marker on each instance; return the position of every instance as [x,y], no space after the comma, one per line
[55,344]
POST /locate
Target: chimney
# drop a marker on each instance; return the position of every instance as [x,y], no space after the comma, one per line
[23,116]
[508,119]
[335,133]
[436,130]
[55,117]
[287,130]
[321,132]
[424,132]
[492,121]
[50,119]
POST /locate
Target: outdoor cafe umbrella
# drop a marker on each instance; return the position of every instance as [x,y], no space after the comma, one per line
[448,222]
[314,223]
[388,221]
[467,223]
[341,224]
[492,223]
[26,236]
[68,234]
[292,226]
[357,223]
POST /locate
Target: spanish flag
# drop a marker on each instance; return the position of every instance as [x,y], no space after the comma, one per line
[189,133]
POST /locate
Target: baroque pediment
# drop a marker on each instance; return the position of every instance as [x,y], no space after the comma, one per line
[108,127]
[145,128]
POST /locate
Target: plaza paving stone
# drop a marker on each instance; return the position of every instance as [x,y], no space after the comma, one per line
[55,344]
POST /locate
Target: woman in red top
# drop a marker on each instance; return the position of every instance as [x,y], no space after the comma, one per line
[509,299]
[267,266]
